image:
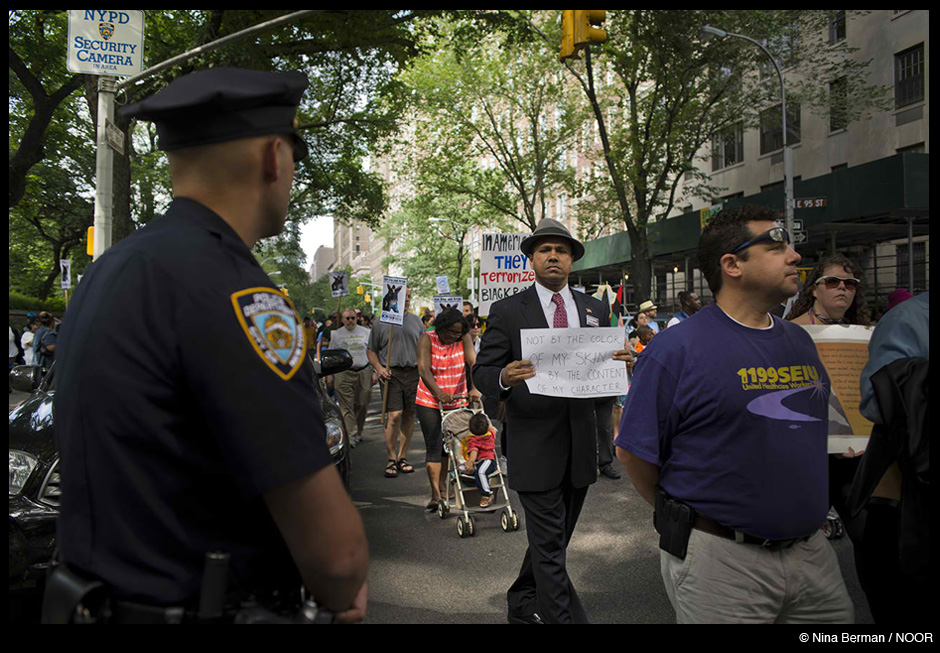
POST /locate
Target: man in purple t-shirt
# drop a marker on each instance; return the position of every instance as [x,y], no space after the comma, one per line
[724,432]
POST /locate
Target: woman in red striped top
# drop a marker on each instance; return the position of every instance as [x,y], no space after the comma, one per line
[445,357]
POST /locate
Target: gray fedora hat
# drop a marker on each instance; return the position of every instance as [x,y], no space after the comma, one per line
[549,227]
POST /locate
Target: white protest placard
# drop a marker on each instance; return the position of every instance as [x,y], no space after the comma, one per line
[504,269]
[843,350]
[106,42]
[394,291]
[65,265]
[339,284]
[575,363]
[443,284]
[442,302]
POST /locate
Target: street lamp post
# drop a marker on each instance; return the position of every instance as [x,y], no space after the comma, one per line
[707,33]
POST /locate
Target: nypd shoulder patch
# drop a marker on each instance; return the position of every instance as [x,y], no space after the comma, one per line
[275,332]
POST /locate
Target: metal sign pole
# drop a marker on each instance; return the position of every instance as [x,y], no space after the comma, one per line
[104,166]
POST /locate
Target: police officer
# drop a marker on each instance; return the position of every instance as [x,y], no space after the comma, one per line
[185,415]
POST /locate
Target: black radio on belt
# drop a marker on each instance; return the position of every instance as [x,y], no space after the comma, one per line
[673,521]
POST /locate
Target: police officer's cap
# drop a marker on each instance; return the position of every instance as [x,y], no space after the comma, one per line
[224,104]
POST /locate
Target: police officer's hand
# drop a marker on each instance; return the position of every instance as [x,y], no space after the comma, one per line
[357,612]
[516,373]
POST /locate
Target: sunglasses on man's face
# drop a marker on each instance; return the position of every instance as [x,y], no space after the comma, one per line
[775,235]
[851,283]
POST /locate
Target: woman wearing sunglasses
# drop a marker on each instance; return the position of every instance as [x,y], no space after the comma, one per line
[834,293]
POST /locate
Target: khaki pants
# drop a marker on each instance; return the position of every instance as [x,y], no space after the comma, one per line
[354,390]
[721,581]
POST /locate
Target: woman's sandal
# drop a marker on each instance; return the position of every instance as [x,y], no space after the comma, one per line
[404,466]
[391,469]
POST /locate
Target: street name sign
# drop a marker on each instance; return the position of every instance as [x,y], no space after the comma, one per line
[114,136]
[106,42]
[811,202]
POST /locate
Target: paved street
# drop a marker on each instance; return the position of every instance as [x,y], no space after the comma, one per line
[422,572]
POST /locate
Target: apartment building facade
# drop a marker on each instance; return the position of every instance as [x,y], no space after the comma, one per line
[871,175]
[869,178]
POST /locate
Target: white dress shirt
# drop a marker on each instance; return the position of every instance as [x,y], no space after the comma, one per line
[548,306]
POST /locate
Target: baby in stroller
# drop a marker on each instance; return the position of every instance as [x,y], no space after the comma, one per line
[481,455]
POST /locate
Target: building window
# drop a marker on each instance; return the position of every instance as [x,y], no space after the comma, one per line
[561,207]
[836,27]
[838,105]
[785,48]
[909,76]
[771,132]
[728,147]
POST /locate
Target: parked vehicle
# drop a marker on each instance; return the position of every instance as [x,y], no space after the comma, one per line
[34,478]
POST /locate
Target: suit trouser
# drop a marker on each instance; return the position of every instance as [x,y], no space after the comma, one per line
[543,585]
[604,410]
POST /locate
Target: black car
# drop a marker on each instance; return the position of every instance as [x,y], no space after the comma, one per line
[34,478]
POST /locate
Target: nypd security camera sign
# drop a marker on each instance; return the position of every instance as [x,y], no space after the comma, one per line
[106,41]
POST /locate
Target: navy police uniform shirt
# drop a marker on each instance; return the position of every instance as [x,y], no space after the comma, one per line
[181,397]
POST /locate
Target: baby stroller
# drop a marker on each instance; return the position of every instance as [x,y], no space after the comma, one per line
[456,430]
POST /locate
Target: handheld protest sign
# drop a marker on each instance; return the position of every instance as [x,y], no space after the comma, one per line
[442,302]
[843,350]
[575,363]
[339,284]
[504,269]
[394,293]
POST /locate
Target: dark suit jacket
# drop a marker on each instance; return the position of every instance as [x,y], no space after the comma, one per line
[543,433]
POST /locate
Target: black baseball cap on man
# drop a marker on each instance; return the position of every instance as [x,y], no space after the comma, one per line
[224,104]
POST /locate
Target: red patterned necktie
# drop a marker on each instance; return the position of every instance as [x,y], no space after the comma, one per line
[561,315]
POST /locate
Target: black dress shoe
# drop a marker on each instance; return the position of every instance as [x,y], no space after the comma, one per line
[533,618]
[610,472]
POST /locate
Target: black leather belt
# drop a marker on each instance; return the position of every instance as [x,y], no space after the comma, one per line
[358,369]
[707,525]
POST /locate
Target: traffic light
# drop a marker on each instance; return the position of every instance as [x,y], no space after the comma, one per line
[587,26]
[90,247]
[580,28]
[567,36]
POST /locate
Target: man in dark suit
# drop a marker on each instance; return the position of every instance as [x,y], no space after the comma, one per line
[551,441]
